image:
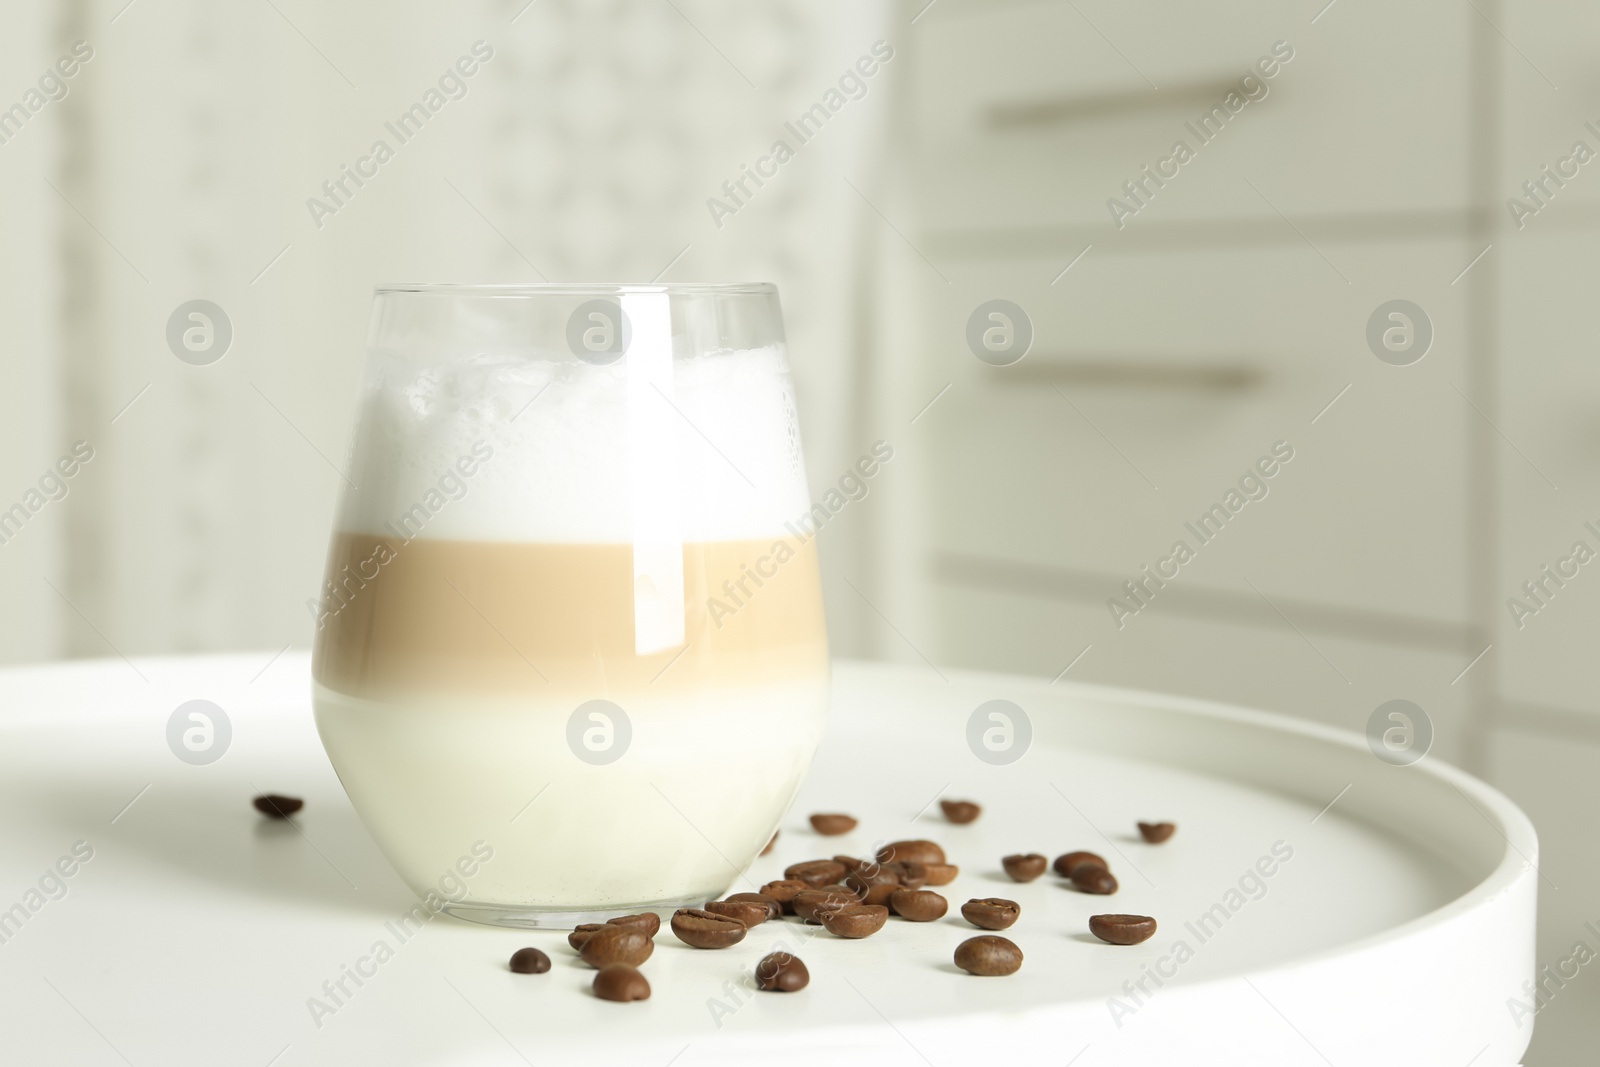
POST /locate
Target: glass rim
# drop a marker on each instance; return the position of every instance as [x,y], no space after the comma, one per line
[596,289]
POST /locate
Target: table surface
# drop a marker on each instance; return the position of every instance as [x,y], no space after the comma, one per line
[199,932]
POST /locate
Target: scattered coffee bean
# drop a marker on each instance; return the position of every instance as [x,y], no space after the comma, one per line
[529,961]
[817,873]
[873,885]
[832,825]
[1156,832]
[940,873]
[960,812]
[812,904]
[581,934]
[1071,861]
[1122,929]
[706,929]
[618,981]
[771,843]
[918,905]
[617,944]
[991,913]
[784,892]
[1024,868]
[774,909]
[780,972]
[748,912]
[1087,878]
[925,852]
[648,921]
[988,956]
[856,920]
[274,806]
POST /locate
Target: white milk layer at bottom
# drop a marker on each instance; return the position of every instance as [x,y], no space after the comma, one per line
[698,791]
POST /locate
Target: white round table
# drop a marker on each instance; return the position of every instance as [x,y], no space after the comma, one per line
[1317,906]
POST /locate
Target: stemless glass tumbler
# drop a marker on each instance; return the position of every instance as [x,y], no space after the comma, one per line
[570,657]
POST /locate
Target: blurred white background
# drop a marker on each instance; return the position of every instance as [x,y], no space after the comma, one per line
[1228,313]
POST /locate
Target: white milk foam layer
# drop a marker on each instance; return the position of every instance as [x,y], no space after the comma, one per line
[677,818]
[646,449]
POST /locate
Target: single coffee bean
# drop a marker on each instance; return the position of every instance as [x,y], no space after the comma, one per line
[912,875]
[1122,929]
[617,944]
[812,904]
[856,920]
[774,841]
[873,886]
[780,972]
[832,825]
[960,812]
[991,913]
[784,892]
[581,934]
[817,873]
[918,905]
[1024,868]
[1088,878]
[1156,832]
[1071,861]
[706,929]
[925,852]
[274,806]
[988,956]
[774,909]
[648,921]
[618,981]
[747,912]
[940,873]
[529,961]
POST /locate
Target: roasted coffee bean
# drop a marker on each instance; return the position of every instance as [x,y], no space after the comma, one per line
[617,944]
[1156,832]
[991,913]
[780,972]
[873,885]
[274,806]
[748,912]
[774,909]
[648,921]
[988,956]
[817,873]
[912,875]
[925,852]
[784,892]
[960,812]
[1087,878]
[1071,861]
[771,843]
[1024,868]
[706,929]
[918,905]
[940,873]
[529,961]
[812,904]
[833,825]
[621,982]
[856,920]
[1122,929]
[851,862]
[581,934]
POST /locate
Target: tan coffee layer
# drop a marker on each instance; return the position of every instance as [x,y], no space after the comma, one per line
[425,618]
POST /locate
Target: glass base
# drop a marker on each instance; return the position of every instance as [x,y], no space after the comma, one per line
[523,917]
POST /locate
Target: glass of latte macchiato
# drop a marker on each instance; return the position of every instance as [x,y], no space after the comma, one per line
[570,657]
